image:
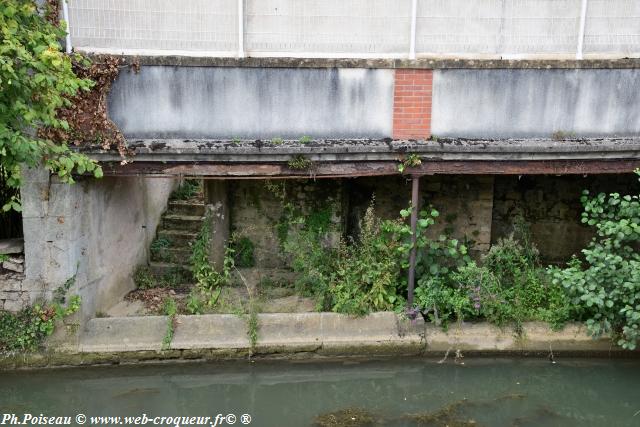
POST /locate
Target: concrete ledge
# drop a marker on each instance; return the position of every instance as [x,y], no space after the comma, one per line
[123,334]
[426,63]
[309,335]
[535,337]
[210,331]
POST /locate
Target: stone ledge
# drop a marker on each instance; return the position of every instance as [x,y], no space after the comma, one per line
[424,63]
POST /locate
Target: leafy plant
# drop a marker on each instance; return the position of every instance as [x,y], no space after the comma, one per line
[606,284]
[299,162]
[194,304]
[357,276]
[277,141]
[187,190]
[27,329]
[36,79]
[243,249]
[170,309]
[143,278]
[410,161]
[160,249]
[208,280]
[305,139]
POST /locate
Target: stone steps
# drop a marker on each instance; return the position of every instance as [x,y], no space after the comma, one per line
[189,223]
[163,269]
[186,207]
[171,254]
[179,239]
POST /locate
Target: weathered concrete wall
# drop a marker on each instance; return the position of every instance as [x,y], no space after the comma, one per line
[551,208]
[528,103]
[207,102]
[98,230]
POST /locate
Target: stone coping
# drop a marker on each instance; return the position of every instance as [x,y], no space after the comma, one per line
[367,150]
[440,62]
[308,336]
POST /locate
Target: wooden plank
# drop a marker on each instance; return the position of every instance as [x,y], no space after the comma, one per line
[354,169]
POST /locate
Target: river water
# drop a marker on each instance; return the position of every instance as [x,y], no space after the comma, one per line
[401,392]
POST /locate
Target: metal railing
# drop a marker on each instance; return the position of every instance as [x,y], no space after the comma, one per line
[358,28]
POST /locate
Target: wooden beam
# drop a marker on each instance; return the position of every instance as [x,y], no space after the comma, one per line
[355,169]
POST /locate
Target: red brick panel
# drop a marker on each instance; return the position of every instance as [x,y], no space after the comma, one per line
[412,104]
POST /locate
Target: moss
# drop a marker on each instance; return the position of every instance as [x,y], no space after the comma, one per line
[349,417]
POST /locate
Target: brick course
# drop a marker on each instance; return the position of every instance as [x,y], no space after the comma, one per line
[412,104]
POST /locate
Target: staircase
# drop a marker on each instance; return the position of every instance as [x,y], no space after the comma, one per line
[178,228]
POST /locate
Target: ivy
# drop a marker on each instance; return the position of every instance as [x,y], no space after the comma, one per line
[209,281]
[36,79]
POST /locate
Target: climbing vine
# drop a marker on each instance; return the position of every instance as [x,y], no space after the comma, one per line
[36,80]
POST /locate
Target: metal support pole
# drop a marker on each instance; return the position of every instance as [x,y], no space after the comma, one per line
[412,40]
[583,21]
[415,201]
[240,28]
[65,16]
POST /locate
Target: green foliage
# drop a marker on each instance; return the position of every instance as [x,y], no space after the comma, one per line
[522,289]
[299,162]
[436,261]
[277,141]
[160,249]
[209,281]
[194,304]
[36,79]
[252,326]
[305,139]
[354,278]
[27,329]
[606,285]
[410,161]
[187,190]
[143,278]
[170,309]
[243,249]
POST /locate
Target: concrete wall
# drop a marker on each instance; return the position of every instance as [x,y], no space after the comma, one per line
[207,102]
[97,229]
[526,103]
[356,28]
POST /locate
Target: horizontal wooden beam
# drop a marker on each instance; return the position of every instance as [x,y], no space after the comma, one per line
[355,169]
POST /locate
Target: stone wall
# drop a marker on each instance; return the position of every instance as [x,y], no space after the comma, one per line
[258,209]
[478,209]
[12,296]
[551,208]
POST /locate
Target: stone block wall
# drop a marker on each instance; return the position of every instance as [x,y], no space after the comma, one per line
[550,206]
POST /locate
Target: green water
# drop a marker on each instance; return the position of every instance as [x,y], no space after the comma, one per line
[482,392]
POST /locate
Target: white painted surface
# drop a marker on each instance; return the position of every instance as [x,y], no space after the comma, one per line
[253,103]
[357,28]
[535,103]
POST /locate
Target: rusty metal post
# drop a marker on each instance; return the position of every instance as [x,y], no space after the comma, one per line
[415,208]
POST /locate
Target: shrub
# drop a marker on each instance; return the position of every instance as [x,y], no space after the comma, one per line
[606,284]
[357,276]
